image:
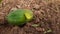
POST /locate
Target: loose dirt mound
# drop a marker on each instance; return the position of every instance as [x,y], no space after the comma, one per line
[46,15]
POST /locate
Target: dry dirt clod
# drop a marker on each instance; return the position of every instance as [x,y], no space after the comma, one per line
[40,29]
[36,7]
[14,9]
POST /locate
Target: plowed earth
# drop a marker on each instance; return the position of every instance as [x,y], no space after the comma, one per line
[46,15]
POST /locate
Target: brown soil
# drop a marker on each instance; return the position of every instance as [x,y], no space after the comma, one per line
[46,14]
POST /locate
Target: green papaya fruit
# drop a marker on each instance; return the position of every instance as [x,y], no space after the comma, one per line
[19,16]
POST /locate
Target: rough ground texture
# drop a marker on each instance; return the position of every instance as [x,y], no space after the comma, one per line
[46,15]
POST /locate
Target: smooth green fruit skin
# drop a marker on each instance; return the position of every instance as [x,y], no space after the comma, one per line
[30,13]
[17,17]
